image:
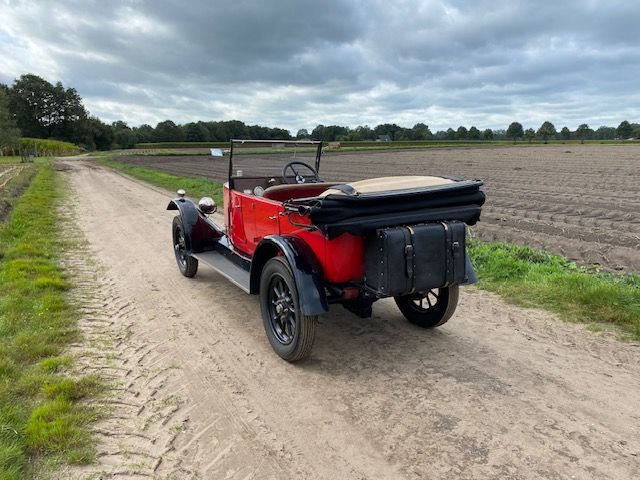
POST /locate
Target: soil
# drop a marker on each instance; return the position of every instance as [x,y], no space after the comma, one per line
[580,201]
[498,392]
[10,189]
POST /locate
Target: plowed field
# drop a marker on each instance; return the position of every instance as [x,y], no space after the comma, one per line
[579,201]
[10,187]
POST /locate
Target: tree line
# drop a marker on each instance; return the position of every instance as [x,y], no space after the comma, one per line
[548,131]
[33,107]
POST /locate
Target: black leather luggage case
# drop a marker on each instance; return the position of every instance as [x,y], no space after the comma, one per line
[402,260]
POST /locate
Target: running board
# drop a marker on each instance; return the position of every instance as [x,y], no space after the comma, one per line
[225,267]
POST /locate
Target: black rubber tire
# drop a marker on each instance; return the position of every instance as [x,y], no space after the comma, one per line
[275,272]
[187,264]
[433,315]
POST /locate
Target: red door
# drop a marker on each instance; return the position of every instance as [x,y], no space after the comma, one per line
[236,228]
[260,219]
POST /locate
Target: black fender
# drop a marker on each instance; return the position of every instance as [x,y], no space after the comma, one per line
[305,267]
[200,233]
[470,276]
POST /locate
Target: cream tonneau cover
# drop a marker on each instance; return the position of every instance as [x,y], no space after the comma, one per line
[386,184]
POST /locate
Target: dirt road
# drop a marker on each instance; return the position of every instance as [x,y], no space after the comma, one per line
[499,392]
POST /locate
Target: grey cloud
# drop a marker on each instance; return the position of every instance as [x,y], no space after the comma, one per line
[298,63]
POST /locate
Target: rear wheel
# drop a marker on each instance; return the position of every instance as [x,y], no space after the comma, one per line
[429,309]
[186,263]
[290,333]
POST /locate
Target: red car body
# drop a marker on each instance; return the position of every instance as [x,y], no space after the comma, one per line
[303,244]
[250,219]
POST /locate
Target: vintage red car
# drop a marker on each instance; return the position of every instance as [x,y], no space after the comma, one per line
[302,244]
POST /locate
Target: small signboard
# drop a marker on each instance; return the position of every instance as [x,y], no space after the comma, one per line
[216,152]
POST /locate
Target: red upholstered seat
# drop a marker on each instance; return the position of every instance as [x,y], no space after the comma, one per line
[285,192]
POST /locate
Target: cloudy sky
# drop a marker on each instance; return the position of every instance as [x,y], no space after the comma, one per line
[298,63]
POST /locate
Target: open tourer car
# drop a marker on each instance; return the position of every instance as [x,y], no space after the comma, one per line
[303,244]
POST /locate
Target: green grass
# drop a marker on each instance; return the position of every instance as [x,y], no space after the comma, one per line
[40,416]
[534,278]
[9,159]
[522,275]
[195,187]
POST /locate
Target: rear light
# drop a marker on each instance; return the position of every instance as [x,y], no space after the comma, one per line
[350,293]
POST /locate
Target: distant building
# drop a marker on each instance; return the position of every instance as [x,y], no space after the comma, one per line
[383,138]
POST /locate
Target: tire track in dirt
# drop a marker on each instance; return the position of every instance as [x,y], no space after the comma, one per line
[8,174]
[149,432]
[143,419]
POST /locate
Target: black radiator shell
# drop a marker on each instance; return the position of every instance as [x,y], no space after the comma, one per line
[402,260]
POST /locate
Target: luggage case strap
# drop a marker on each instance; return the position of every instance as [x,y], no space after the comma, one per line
[448,254]
[409,256]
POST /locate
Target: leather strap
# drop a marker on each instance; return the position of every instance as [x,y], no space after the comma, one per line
[410,256]
[447,253]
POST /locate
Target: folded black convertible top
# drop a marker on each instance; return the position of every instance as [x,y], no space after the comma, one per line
[357,214]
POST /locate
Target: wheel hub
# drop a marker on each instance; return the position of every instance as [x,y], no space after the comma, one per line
[282,311]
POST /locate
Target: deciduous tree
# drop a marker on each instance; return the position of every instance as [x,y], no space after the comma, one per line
[474,133]
[168,131]
[462,133]
[546,130]
[515,131]
[144,133]
[420,131]
[605,133]
[583,132]
[529,134]
[390,129]
[195,132]
[9,132]
[624,130]
[44,110]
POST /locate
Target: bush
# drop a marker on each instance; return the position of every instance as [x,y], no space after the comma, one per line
[40,147]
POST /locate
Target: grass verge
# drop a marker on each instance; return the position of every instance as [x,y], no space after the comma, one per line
[40,416]
[195,187]
[534,278]
[522,275]
[9,159]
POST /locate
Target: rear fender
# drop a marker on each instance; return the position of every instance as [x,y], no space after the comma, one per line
[306,270]
[200,233]
[470,276]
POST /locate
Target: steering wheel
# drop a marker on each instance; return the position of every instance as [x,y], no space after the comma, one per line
[298,177]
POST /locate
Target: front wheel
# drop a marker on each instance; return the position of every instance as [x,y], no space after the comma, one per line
[290,333]
[429,309]
[186,263]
